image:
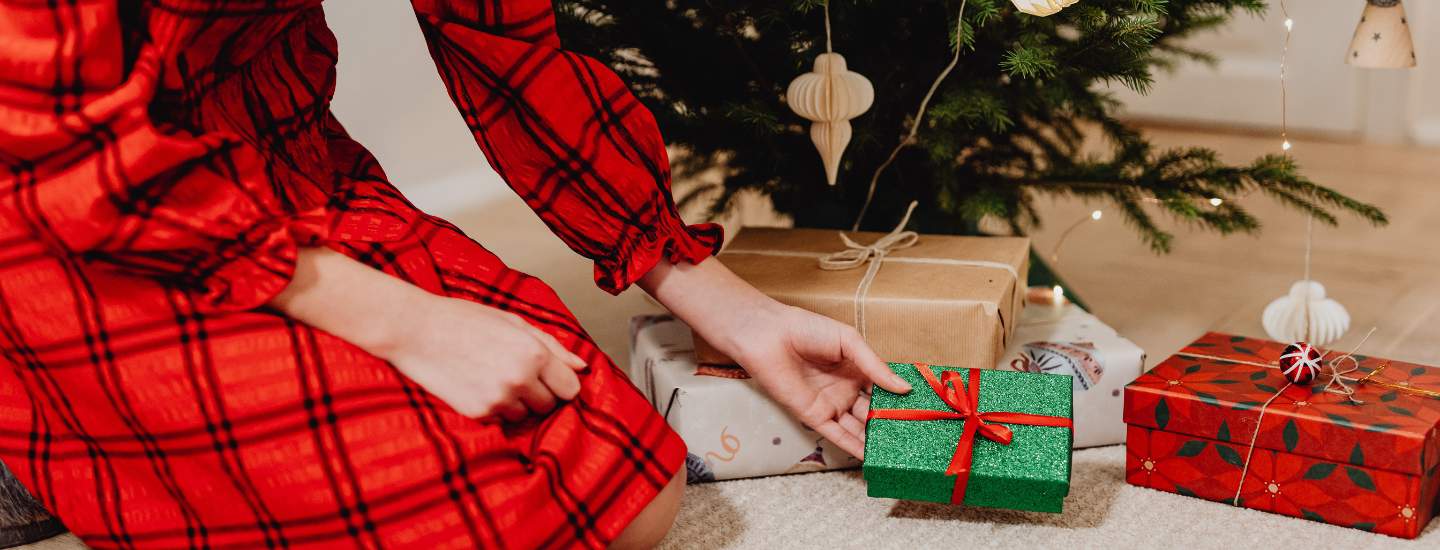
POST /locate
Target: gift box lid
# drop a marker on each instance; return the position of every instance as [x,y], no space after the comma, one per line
[1215,387]
[753,255]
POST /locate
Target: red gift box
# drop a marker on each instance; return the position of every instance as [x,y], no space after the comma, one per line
[1371,464]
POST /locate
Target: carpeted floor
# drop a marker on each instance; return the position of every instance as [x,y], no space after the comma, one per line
[830,510]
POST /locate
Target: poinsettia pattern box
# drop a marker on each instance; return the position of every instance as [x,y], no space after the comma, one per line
[732,428]
[1068,340]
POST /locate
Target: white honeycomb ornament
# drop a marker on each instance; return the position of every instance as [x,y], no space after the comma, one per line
[1042,8]
[1285,318]
[829,96]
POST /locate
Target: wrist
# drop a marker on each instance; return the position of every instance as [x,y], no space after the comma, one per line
[718,305]
[363,306]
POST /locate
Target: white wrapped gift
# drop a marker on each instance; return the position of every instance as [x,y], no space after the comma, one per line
[1068,340]
[732,428]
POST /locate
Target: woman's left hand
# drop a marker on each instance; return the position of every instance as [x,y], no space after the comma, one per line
[816,367]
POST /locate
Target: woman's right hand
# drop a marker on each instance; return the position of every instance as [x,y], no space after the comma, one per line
[481,361]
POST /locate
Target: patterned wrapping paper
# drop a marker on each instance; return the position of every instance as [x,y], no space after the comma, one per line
[732,428]
[1374,465]
[1068,340]
[909,459]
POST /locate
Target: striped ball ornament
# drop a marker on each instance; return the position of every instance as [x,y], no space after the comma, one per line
[1300,363]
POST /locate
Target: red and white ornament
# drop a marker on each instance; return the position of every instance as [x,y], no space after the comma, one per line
[1300,363]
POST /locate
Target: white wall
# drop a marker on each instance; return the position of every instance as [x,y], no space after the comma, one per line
[1325,95]
[391,99]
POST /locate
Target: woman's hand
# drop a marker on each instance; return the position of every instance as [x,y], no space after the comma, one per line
[481,361]
[814,366]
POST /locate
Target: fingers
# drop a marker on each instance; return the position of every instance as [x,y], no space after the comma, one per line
[511,410]
[536,397]
[560,380]
[857,352]
[861,408]
[569,359]
[845,439]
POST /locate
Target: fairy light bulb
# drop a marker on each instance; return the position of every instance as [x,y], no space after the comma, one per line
[1096,215]
[1216,201]
[1286,145]
[1057,295]
[1289,24]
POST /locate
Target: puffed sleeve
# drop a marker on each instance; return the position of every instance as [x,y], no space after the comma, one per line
[92,176]
[565,133]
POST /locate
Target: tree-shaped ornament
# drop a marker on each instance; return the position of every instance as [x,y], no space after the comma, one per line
[1042,8]
[829,96]
[1382,40]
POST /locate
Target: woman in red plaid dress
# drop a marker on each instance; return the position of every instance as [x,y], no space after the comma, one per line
[222,327]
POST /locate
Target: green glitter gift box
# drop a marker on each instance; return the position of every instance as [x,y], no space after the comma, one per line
[1002,443]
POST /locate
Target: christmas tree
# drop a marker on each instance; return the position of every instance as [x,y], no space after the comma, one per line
[1005,127]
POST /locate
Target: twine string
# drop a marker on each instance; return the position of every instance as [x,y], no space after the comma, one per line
[828,49]
[873,254]
[919,116]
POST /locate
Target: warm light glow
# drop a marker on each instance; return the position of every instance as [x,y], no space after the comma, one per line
[1096,215]
[1216,201]
[1289,24]
[1286,145]
[1057,294]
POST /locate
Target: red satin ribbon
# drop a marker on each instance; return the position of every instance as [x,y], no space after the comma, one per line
[964,400]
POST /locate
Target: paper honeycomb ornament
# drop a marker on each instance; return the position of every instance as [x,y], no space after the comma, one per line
[1042,8]
[829,96]
[1382,39]
[1286,318]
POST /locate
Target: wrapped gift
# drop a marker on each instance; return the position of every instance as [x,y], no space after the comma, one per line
[1064,339]
[916,298]
[989,438]
[731,427]
[1357,448]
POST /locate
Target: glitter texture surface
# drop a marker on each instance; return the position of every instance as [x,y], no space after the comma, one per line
[906,459]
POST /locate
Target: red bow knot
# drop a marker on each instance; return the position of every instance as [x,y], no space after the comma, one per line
[964,402]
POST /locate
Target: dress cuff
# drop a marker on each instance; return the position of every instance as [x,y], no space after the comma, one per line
[251,270]
[640,248]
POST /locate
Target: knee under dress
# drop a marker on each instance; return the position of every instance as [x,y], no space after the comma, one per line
[162,161]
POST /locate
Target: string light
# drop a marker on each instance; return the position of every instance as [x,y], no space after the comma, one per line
[1216,201]
[1284,64]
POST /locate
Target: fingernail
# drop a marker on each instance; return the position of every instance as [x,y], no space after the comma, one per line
[577,362]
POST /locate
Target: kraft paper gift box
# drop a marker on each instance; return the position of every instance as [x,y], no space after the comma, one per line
[1065,339]
[1371,462]
[932,298]
[731,427]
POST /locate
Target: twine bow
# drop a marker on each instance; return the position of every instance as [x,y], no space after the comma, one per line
[856,254]
[964,401]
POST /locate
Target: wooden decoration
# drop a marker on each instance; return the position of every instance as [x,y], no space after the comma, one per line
[829,96]
[1382,40]
[1042,8]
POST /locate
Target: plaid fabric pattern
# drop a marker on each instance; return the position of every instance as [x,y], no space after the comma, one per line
[160,164]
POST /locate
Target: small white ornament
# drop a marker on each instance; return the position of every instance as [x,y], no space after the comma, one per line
[1042,8]
[1284,319]
[829,97]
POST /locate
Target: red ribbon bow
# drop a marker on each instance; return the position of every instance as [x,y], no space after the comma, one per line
[964,400]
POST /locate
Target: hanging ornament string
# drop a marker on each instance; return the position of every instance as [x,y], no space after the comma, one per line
[828,48]
[919,113]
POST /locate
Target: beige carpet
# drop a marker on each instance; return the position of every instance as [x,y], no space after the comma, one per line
[830,510]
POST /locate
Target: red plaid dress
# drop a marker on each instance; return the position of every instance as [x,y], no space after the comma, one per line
[163,161]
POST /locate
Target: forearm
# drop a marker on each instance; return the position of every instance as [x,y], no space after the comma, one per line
[351,300]
[708,297]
